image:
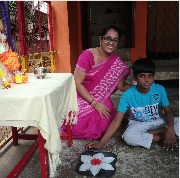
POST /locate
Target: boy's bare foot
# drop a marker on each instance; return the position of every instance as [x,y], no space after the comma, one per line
[158,134]
[159,131]
[158,138]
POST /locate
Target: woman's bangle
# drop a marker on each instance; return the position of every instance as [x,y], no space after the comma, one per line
[93,102]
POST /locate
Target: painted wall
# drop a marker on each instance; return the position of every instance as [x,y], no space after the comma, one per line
[61,36]
[67,33]
[74,17]
[140,31]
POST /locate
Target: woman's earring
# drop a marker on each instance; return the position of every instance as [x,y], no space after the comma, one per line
[100,42]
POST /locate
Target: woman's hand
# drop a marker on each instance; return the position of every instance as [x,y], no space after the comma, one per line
[102,109]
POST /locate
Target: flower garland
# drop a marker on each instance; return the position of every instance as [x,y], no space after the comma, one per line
[10,60]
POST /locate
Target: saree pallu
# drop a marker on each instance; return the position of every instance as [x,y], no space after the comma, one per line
[100,82]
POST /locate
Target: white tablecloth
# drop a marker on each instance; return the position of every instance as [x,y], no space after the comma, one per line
[42,103]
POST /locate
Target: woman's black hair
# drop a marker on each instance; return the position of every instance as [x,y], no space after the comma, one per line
[143,65]
[109,27]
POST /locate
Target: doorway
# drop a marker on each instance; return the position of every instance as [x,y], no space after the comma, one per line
[97,14]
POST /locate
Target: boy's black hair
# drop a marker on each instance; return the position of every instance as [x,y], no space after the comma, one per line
[109,27]
[143,65]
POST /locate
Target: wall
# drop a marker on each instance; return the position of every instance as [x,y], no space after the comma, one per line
[74,32]
[67,34]
[140,31]
[61,36]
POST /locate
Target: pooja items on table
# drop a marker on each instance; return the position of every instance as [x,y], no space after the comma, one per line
[40,72]
[4,79]
[20,77]
[9,65]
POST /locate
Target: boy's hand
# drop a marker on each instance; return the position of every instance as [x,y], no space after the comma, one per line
[93,144]
[169,139]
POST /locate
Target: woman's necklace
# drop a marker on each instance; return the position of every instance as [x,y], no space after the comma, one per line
[100,54]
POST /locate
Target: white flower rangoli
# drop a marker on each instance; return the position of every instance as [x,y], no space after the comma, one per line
[95,163]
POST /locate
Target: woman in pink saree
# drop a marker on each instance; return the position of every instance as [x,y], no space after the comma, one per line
[99,72]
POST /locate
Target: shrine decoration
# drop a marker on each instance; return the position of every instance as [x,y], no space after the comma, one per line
[23,47]
[20,77]
[4,79]
[10,68]
[6,21]
[51,42]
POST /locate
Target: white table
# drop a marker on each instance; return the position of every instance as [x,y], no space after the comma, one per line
[42,103]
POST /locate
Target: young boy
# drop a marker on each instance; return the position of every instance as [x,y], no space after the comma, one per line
[145,125]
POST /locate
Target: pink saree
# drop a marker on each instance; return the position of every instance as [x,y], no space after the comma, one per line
[100,81]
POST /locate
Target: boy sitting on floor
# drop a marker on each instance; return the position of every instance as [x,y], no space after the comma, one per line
[145,125]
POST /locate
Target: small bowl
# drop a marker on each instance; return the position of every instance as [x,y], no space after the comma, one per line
[40,72]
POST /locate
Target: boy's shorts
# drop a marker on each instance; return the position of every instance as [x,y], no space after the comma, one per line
[136,132]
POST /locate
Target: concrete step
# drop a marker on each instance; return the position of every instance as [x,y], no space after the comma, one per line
[167,69]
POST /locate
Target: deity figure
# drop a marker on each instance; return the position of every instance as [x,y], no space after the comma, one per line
[9,62]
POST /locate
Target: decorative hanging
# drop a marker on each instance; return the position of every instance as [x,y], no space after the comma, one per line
[23,48]
[50,27]
[20,9]
[52,58]
[23,60]
[51,42]
[6,20]
[39,26]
